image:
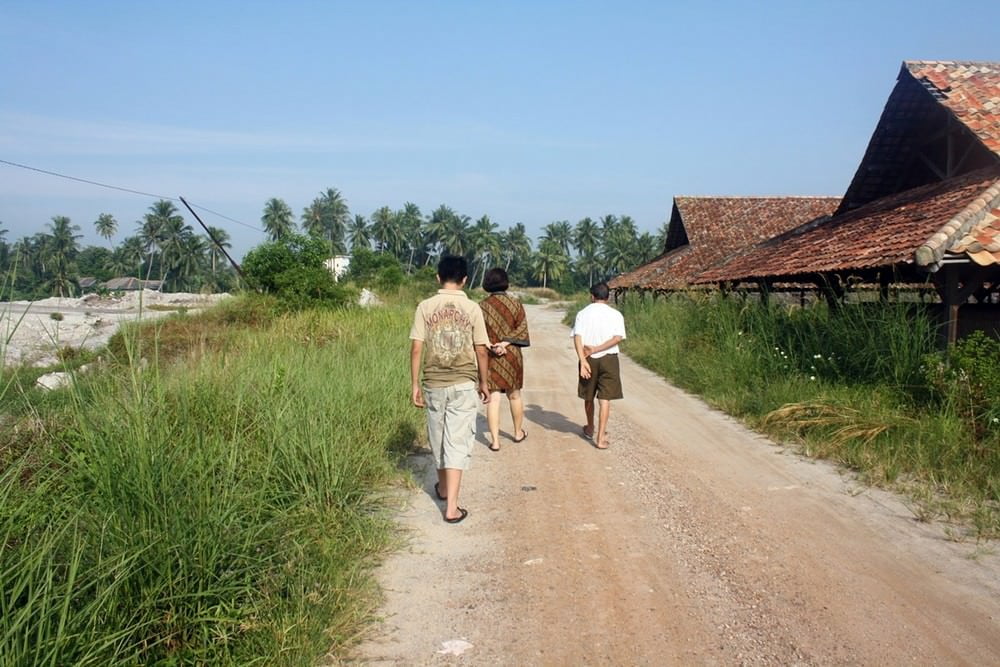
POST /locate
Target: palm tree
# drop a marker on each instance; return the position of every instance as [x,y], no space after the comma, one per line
[550,261]
[646,248]
[517,245]
[278,219]
[174,247]
[586,239]
[436,229]
[218,240]
[560,233]
[661,237]
[126,259]
[327,218]
[385,229]
[153,228]
[61,249]
[485,245]
[410,223]
[359,233]
[106,226]
[456,235]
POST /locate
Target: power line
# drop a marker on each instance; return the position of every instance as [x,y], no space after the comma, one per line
[122,189]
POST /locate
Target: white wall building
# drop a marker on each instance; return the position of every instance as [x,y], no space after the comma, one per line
[338,265]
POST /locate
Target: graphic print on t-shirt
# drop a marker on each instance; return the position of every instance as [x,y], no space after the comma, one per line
[449,335]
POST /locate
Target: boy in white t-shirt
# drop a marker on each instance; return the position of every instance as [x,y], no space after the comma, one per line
[597,330]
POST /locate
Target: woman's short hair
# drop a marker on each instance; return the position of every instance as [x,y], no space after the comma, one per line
[495,280]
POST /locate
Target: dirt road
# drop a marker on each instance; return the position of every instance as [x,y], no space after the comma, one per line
[690,541]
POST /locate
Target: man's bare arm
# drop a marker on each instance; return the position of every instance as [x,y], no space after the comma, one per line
[483,364]
[608,344]
[582,355]
[416,348]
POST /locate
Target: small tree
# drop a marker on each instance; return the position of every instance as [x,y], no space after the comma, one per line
[292,268]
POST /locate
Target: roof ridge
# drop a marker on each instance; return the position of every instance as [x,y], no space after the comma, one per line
[932,250]
[757,197]
[952,62]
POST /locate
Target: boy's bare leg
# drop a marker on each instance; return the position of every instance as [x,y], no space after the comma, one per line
[588,409]
[516,412]
[450,479]
[602,423]
[493,420]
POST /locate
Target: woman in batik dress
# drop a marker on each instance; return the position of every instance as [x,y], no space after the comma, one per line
[507,327]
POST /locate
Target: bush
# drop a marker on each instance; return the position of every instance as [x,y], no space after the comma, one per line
[968,381]
[266,262]
[375,269]
[293,270]
[309,287]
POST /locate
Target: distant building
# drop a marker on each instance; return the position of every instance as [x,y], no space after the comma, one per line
[131,284]
[338,265]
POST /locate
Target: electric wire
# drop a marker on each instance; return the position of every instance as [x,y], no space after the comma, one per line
[124,189]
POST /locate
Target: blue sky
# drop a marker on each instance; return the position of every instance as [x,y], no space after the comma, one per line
[527,111]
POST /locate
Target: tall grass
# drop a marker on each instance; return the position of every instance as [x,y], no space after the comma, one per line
[851,385]
[217,507]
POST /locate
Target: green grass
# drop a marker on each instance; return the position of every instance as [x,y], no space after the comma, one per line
[850,385]
[209,502]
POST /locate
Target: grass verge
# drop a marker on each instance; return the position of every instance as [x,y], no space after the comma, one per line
[210,498]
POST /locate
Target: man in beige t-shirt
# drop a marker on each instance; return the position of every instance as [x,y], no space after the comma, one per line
[449,348]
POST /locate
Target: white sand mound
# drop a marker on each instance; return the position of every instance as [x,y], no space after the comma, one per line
[34,331]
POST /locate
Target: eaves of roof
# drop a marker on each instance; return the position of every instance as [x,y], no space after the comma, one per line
[884,232]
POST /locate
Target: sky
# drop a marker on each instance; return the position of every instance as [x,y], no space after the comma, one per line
[529,112]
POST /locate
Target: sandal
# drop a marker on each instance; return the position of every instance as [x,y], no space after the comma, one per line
[460,517]
[524,434]
[437,492]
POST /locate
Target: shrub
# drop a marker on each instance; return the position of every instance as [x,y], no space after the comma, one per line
[263,264]
[968,381]
[292,269]
[58,317]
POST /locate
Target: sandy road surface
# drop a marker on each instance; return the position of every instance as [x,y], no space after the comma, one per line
[690,541]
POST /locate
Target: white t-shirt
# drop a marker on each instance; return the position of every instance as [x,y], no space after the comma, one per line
[597,323]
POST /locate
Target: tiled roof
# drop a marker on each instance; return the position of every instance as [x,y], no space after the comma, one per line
[717,227]
[885,232]
[975,232]
[941,120]
[970,90]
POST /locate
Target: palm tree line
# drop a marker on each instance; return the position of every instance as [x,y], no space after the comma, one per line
[163,248]
[566,255]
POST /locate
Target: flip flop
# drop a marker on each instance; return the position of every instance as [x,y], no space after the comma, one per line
[521,439]
[437,492]
[460,518]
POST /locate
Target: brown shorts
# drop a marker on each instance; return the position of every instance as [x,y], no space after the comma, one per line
[605,379]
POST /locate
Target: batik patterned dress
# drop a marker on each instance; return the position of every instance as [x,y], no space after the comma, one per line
[506,321]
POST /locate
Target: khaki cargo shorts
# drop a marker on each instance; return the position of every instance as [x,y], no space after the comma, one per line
[451,423]
[605,379]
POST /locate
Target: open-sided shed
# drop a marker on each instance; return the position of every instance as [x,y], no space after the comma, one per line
[704,231]
[923,204]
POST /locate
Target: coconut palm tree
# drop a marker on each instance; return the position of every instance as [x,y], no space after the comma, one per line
[106,226]
[560,233]
[436,229]
[410,223]
[485,245]
[327,218]
[218,239]
[359,233]
[153,229]
[61,249]
[516,245]
[586,240]
[278,219]
[550,261]
[385,229]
